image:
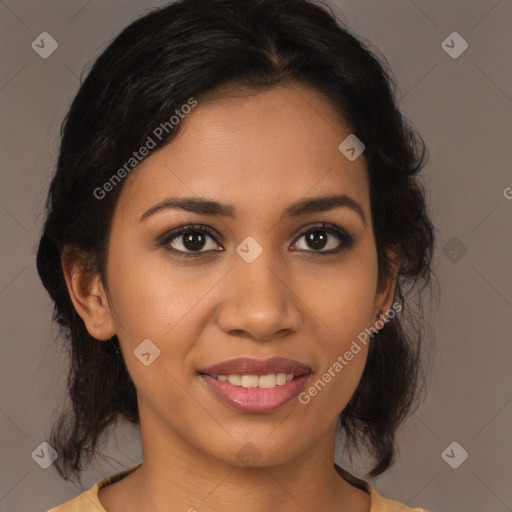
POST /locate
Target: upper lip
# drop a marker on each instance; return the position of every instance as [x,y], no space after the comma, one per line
[248,366]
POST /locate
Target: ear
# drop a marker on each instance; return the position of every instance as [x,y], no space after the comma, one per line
[87,293]
[387,285]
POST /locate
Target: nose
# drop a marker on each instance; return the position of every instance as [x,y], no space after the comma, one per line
[258,300]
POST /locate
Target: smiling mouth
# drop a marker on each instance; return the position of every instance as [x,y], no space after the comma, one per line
[255,386]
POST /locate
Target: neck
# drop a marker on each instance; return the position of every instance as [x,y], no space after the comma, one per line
[295,485]
[177,474]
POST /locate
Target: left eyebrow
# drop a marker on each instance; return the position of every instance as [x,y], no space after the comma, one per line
[215,208]
[323,204]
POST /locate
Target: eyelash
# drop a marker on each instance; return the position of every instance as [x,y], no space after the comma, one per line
[346,240]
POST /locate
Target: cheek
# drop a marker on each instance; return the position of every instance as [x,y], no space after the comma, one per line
[342,348]
[342,296]
[164,302]
[151,294]
[342,301]
[329,393]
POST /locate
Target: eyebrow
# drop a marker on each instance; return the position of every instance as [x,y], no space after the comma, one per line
[215,208]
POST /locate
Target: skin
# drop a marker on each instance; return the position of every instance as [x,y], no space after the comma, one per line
[259,152]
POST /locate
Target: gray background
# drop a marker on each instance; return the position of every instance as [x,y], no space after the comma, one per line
[463,109]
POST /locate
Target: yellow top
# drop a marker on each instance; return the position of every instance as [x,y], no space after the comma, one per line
[88,501]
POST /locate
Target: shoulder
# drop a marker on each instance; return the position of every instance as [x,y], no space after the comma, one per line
[88,501]
[382,504]
[378,502]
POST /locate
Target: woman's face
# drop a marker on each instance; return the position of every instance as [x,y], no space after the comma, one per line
[260,284]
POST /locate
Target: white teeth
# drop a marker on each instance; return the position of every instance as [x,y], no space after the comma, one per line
[249,381]
[235,380]
[267,381]
[281,379]
[270,380]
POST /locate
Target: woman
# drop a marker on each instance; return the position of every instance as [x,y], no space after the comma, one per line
[232,230]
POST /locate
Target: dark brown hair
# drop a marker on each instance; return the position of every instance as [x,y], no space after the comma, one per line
[191,48]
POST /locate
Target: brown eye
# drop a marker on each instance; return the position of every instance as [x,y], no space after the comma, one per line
[194,241]
[317,239]
[325,238]
[191,239]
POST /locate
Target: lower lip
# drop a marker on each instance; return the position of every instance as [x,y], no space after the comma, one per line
[254,400]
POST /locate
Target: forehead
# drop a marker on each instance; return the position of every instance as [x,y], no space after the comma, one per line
[257,150]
